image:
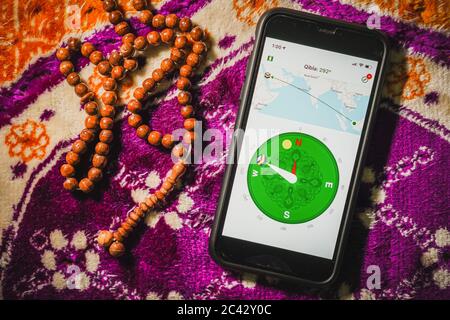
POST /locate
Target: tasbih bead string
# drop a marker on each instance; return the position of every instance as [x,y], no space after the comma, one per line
[186,53]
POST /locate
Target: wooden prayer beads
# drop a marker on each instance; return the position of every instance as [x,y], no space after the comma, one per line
[187,50]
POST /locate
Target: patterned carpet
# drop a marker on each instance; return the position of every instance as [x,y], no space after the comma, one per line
[47,235]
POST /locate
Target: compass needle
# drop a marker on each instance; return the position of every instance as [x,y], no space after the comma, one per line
[290,185]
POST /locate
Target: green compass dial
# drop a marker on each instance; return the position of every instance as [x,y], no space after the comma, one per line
[293,177]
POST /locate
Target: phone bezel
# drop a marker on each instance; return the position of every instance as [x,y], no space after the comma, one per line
[316,271]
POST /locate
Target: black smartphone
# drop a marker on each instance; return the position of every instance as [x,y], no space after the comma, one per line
[307,110]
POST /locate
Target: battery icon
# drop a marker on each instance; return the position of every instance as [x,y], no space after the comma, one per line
[270,58]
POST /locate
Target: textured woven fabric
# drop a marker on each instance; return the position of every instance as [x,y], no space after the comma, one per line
[47,235]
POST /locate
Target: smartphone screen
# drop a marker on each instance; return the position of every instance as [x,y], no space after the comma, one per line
[304,127]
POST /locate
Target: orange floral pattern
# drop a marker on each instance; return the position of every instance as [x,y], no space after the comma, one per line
[28,140]
[249,11]
[34,27]
[408,78]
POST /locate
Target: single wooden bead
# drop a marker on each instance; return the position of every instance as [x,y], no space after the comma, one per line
[104,67]
[171,20]
[95,174]
[122,28]
[130,64]
[142,131]
[143,207]
[187,111]
[105,238]
[172,178]
[126,50]
[148,84]
[72,158]
[109,5]
[139,212]
[180,42]
[158,21]
[134,120]
[73,79]
[189,137]
[123,232]
[91,122]
[74,44]
[199,47]
[117,236]
[163,192]
[127,227]
[70,184]
[81,89]
[87,48]
[189,124]
[67,170]
[79,146]
[184,97]
[128,38]
[91,108]
[96,57]
[150,202]
[154,38]
[63,54]
[116,249]
[186,71]
[109,84]
[140,93]
[157,74]
[133,216]
[89,96]
[145,17]
[86,185]
[118,72]
[66,67]
[105,135]
[183,83]
[134,106]
[167,35]
[193,59]
[109,97]
[176,55]
[154,199]
[115,58]
[167,186]
[102,148]
[139,4]
[99,161]
[154,138]
[167,65]
[115,17]
[130,222]
[140,43]
[178,151]
[185,24]
[167,141]
[196,34]
[160,195]
[106,123]
[107,110]
[87,135]
[179,168]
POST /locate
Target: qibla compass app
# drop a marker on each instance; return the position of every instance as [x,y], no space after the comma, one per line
[301,139]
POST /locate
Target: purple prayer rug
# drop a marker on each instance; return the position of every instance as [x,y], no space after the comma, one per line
[47,234]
